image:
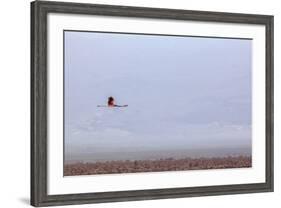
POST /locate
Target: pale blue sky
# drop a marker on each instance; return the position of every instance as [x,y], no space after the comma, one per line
[182,92]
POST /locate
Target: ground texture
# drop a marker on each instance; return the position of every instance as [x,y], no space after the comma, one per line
[168,164]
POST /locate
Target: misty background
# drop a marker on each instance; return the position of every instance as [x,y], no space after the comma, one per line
[187,96]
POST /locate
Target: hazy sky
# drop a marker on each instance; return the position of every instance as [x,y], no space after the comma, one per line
[182,92]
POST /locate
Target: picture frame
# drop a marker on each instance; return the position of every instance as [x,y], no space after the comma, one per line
[40,83]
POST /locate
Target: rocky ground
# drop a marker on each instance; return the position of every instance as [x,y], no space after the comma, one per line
[169,164]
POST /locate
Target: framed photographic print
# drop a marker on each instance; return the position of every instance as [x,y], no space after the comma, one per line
[132,103]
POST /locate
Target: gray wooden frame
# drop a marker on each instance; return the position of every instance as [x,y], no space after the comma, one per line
[39,12]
